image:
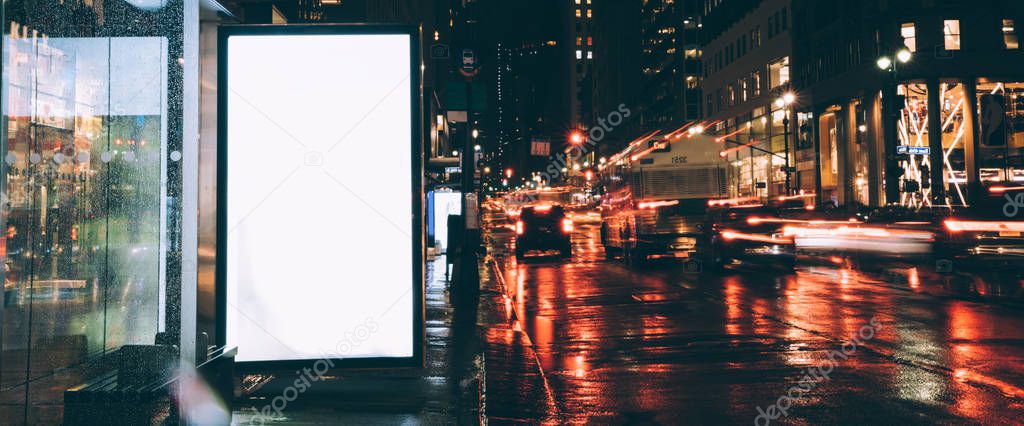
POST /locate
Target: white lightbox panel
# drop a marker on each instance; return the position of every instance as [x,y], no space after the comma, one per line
[319,200]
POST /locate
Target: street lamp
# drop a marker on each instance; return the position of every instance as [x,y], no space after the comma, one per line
[476,133]
[476,148]
[785,101]
[576,137]
[904,55]
[884,63]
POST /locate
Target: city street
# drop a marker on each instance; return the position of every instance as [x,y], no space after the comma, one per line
[662,346]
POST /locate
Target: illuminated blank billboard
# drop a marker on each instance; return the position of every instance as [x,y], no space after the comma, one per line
[319,241]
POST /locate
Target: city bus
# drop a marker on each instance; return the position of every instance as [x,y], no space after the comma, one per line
[655,196]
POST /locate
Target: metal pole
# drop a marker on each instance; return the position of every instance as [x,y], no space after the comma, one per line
[890,118]
[789,171]
[467,149]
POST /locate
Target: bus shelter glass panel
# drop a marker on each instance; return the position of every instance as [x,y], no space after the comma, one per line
[89,140]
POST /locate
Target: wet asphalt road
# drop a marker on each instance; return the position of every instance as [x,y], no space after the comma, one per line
[764,346]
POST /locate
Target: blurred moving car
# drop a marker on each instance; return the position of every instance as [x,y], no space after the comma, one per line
[543,227]
[750,233]
[948,236]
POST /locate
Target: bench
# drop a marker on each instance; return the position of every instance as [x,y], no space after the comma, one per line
[139,387]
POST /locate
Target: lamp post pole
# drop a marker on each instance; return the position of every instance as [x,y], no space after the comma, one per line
[789,169]
[890,122]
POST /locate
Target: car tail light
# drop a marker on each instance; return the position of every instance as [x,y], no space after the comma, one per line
[566,225]
[656,204]
[954,225]
[519,227]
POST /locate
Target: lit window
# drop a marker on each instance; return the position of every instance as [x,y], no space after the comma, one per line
[909,33]
[579,14]
[590,41]
[577,1]
[1010,40]
[778,72]
[590,13]
[579,41]
[579,54]
[951,34]
[590,54]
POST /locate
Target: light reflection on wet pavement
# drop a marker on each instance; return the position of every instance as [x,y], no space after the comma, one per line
[661,346]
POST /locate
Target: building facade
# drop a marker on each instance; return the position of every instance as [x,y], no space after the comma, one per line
[747,54]
[917,102]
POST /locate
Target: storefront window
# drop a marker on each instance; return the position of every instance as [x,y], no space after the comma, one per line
[861,153]
[912,129]
[90,169]
[828,139]
[758,161]
[1001,130]
[954,167]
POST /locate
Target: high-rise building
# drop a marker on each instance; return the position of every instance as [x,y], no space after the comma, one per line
[615,67]
[670,63]
[528,81]
[582,83]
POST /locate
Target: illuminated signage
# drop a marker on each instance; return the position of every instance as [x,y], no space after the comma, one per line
[319,242]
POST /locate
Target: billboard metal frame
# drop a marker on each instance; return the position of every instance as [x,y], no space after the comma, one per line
[416,189]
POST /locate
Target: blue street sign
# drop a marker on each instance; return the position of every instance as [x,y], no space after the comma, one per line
[913,150]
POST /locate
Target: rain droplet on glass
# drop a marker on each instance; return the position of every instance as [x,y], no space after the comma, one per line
[175,155]
[106,156]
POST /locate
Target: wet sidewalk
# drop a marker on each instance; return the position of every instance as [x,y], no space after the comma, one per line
[445,391]
[516,390]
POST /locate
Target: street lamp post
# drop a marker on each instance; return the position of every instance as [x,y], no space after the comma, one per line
[891,122]
[785,101]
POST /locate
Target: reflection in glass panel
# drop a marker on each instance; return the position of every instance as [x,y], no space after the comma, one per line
[85,140]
